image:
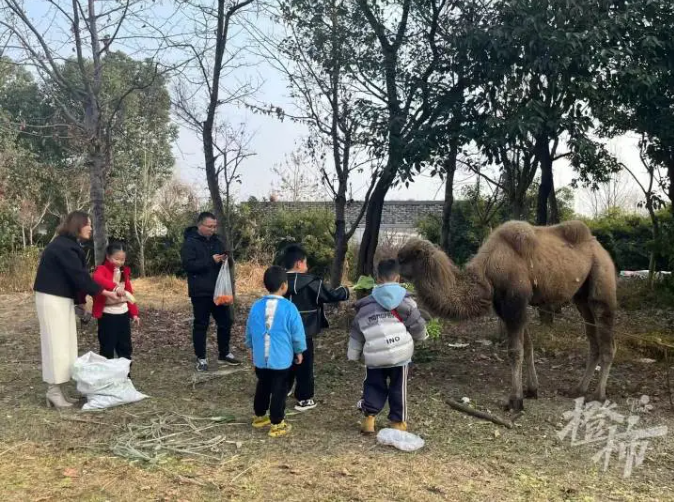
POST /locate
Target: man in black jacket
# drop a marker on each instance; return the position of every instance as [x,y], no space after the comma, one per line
[202,255]
[309,295]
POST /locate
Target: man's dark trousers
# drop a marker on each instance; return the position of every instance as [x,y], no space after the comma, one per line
[204,307]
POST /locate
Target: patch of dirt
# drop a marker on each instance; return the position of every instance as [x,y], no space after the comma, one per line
[47,455]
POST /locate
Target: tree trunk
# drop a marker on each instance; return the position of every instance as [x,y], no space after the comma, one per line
[368,245]
[517,203]
[141,258]
[450,169]
[341,243]
[670,189]
[228,234]
[554,207]
[542,151]
[655,223]
[213,182]
[97,164]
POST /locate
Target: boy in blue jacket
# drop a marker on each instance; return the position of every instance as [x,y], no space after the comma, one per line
[275,335]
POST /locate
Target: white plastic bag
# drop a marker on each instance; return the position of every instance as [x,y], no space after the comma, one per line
[403,440]
[223,287]
[104,382]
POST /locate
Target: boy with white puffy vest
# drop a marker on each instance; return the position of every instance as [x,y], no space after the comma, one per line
[386,325]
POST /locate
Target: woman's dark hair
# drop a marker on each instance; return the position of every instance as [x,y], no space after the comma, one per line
[113,247]
[73,224]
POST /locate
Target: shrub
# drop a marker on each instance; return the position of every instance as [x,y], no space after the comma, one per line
[18,269]
[628,239]
[466,236]
[312,229]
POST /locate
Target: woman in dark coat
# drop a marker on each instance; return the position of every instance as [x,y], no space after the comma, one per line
[62,282]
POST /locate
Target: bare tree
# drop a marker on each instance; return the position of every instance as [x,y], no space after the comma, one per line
[314,54]
[78,28]
[297,180]
[233,148]
[30,217]
[652,191]
[202,94]
[619,192]
[142,185]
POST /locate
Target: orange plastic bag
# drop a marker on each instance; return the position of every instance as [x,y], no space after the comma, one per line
[223,287]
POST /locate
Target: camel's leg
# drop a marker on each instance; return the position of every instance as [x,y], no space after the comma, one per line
[607,347]
[512,309]
[531,392]
[516,355]
[593,356]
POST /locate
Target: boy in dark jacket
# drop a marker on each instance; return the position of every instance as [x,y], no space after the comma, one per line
[203,253]
[309,295]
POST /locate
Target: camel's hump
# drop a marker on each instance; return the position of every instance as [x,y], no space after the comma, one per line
[573,231]
[521,236]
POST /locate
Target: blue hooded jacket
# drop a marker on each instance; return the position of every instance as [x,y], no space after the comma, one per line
[389,295]
[275,333]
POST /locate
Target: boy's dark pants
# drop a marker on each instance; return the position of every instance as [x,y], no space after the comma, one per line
[203,308]
[383,383]
[270,393]
[114,334]
[303,374]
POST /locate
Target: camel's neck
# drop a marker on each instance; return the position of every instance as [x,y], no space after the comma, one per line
[455,294]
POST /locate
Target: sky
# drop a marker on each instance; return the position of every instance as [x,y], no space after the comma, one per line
[272,140]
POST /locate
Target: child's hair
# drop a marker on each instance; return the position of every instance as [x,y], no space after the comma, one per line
[274,278]
[114,247]
[292,254]
[387,270]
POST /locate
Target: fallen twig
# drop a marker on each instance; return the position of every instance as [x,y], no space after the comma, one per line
[71,418]
[241,473]
[11,448]
[479,414]
[173,433]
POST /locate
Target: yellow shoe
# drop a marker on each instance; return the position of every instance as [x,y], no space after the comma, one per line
[278,430]
[367,427]
[261,422]
[399,426]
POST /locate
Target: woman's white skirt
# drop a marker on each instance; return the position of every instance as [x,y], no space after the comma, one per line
[58,336]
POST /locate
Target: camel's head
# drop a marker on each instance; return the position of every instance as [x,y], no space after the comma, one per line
[413,256]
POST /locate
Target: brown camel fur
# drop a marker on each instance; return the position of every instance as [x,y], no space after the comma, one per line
[520,265]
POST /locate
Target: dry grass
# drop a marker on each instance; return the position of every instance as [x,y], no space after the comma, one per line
[49,456]
[249,277]
[17,271]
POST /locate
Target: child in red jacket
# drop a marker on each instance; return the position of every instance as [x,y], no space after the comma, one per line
[115,315]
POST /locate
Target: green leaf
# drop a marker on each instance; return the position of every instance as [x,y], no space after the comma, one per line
[364,283]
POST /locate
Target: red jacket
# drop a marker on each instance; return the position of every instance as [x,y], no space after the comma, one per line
[103,276]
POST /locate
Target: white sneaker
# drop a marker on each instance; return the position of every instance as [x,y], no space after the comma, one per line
[202,365]
[307,404]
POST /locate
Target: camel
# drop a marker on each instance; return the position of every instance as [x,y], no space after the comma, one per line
[519,265]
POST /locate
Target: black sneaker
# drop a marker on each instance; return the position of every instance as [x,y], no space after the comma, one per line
[202,365]
[307,404]
[230,360]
